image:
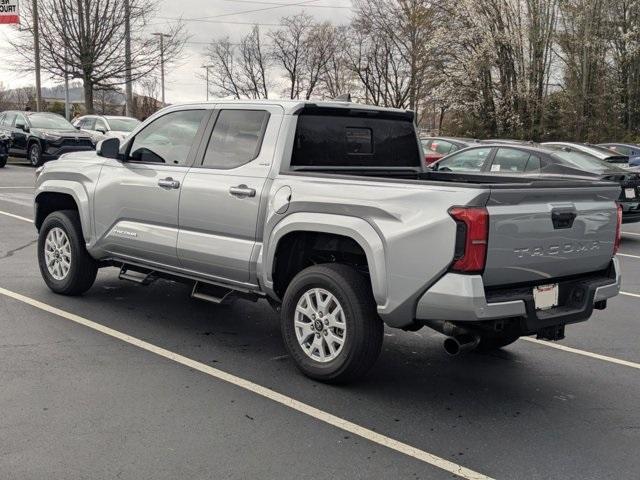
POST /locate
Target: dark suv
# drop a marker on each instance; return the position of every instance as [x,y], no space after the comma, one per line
[42,136]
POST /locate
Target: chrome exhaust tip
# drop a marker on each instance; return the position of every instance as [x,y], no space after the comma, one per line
[462,343]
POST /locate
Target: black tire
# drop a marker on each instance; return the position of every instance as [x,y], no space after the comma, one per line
[3,161]
[364,329]
[83,268]
[490,343]
[34,154]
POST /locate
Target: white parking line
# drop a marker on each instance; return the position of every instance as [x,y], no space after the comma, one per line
[584,353]
[24,219]
[16,188]
[627,255]
[629,294]
[284,400]
[632,233]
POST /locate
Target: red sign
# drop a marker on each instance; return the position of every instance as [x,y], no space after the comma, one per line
[9,11]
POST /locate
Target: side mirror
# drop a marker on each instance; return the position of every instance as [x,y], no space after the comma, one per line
[22,126]
[77,127]
[109,148]
[101,130]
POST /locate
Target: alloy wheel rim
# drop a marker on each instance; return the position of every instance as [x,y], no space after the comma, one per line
[57,253]
[35,154]
[320,325]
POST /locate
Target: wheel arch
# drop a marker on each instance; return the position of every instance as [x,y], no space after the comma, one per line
[351,229]
[61,196]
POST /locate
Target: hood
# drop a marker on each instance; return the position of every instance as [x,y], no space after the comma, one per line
[66,133]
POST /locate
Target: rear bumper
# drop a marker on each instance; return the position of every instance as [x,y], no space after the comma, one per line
[463,298]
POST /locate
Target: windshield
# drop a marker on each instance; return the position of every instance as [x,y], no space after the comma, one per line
[584,162]
[123,124]
[49,121]
[606,151]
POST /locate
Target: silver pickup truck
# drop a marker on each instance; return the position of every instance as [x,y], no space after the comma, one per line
[327,211]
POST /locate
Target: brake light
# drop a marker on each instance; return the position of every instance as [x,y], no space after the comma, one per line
[431,157]
[616,243]
[471,238]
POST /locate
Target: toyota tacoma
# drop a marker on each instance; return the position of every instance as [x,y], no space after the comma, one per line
[327,211]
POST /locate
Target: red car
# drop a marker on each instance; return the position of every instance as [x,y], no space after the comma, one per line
[437,147]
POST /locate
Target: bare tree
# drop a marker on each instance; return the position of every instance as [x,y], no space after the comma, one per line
[289,50]
[239,70]
[85,39]
[337,77]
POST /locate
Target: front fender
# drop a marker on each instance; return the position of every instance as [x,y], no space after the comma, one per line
[77,192]
[355,228]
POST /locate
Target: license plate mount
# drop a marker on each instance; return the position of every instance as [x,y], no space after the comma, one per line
[545,296]
[630,193]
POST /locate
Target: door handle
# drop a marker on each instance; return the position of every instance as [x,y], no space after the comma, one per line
[242,191]
[169,183]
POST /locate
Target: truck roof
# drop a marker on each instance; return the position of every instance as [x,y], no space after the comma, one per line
[292,106]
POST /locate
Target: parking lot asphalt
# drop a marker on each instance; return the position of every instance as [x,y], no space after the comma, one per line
[77,403]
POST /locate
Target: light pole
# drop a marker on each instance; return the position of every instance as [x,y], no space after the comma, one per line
[36,48]
[66,86]
[162,35]
[128,87]
[207,67]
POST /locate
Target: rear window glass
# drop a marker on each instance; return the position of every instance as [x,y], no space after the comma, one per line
[365,140]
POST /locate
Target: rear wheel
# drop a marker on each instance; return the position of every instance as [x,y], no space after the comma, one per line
[330,325]
[3,161]
[65,265]
[35,154]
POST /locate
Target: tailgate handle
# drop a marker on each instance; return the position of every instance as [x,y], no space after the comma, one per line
[563,217]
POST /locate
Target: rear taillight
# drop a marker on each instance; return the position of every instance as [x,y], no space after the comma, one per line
[471,238]
[431,157]
[616,243]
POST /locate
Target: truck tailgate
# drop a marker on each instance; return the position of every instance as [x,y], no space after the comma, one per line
[538,234]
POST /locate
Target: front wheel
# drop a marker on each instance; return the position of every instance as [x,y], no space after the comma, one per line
[329,323]
[35,154]
[65,265]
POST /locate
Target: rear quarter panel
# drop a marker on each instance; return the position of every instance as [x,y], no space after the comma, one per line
[415,231]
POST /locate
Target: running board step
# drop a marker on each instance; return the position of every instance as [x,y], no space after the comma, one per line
[210,293]
[141,277]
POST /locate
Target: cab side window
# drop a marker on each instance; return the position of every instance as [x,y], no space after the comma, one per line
[88,123]
[167,139]
[8,119]
[442,147]
[20,121]
[511,160]
[100,125]
[236,138]
[472,160]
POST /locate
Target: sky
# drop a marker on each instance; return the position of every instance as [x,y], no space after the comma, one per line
[183,82]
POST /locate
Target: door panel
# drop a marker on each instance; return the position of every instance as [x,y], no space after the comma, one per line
[134,216]
[217,229]
[136,201]
[220,207]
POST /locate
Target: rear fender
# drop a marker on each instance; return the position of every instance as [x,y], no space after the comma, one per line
[355,228]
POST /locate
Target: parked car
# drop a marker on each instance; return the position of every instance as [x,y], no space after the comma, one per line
[325,209]
[628,149]
[41,136]
[559,161]
[437,147]
[5,144]
[102,126]
[510,141]
[595,151]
